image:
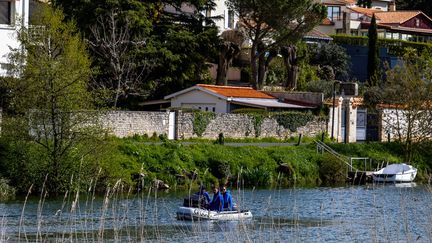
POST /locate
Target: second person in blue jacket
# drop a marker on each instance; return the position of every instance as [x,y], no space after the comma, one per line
[217,203]
[227,199]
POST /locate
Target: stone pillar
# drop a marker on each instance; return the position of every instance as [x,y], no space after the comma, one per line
[339,104]
[337,119]
[351,123]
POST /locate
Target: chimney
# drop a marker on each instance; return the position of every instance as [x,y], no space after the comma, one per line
[392,6]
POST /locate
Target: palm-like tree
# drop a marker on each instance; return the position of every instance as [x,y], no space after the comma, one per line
[230,46]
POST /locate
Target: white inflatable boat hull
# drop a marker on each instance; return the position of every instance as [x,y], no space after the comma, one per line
[189,213]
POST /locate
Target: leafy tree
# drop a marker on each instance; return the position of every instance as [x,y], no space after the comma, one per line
[373,59]
[114,45]
[289,54]
[228,49]
[408,89]
[331,56]
[272,24]
[159,49]
[49,96]
[118,35]
[184,43]
[278,71]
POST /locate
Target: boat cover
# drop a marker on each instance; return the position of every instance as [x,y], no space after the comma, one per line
[396,168]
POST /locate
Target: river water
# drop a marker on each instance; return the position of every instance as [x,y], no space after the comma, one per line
[371,213]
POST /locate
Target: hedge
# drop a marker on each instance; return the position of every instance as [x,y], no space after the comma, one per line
[396,47]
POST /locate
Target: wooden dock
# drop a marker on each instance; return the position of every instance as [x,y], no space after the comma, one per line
[359,177]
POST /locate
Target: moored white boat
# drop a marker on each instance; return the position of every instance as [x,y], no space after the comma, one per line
[191,213]
[395,173]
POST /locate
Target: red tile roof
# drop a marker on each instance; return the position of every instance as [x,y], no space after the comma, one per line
[366,11]
[316,34]
[397,17]
[326,21]
[234,91]
[335,2]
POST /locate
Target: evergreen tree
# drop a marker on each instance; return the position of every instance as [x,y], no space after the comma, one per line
[373,59]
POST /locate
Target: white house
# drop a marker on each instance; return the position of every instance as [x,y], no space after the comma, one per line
[228,19]
[224,99]
[13,13]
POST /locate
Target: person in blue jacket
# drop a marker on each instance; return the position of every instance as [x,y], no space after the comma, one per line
[217,202]
[203,196]
[227,198]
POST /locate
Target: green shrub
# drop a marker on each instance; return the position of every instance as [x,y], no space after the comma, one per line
[7,192]
[257,122]
[256,140]
[396,47]
[249,111]
[332,171]
[257,177]
[219,168]
[292,120]
[201,121]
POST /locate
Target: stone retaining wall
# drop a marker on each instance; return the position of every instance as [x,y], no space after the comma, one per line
[242,126]
[129,123]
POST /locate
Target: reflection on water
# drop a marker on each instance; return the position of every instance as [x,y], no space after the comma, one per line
[410,184]
[396,213]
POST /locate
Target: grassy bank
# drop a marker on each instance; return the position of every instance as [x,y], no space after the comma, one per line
[179,165]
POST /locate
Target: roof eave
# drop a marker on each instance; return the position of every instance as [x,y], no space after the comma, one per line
[196,87]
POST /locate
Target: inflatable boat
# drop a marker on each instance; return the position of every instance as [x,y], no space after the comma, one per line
[191,213]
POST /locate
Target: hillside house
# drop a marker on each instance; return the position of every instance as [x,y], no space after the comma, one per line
[225,99]
[345,17]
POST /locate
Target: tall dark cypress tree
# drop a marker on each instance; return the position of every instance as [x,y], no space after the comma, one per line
[373,59]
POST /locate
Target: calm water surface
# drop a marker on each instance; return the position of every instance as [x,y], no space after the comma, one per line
[374,213]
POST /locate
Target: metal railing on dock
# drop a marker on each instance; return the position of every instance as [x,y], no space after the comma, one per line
[322,147]
[353,174]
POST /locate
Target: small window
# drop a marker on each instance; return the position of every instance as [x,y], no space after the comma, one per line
[206,108]
[417,22]
[334,13]
[5,12]
[199,107]
[213,109]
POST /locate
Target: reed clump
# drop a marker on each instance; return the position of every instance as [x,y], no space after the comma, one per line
[7,192]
